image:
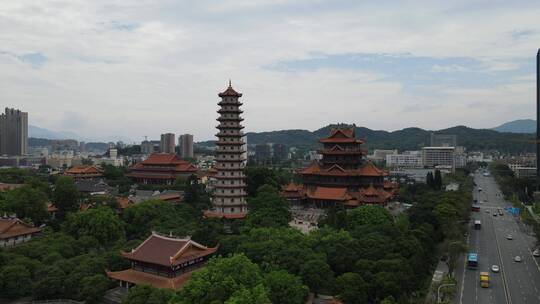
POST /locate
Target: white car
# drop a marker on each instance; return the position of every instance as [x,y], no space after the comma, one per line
[536,253]
[517,259]
[509,237]
[495,268]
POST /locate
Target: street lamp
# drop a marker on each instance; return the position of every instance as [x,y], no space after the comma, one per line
[439,291]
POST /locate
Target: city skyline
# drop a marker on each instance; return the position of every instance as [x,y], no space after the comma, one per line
[94,68]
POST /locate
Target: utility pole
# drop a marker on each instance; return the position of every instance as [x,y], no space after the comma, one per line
[537,120]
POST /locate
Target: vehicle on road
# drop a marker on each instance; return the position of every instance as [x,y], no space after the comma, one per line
[475,208]
[477,225]
[536,253]
[517,259]
[475,200]
[487,210]
[479,189]
[495,268]
[484,279]
[472,260]
[501,213]
[509,237]
[494,213]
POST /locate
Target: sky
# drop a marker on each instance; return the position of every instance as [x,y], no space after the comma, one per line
[140,68]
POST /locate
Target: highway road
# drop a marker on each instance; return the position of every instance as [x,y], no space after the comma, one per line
[516,283]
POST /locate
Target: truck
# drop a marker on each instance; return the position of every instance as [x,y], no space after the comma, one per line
[484,279]
[477,225]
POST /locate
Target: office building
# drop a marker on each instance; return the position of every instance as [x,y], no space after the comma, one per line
[167,143]
[13,132]
[408,159]
[185,143]
[438,157]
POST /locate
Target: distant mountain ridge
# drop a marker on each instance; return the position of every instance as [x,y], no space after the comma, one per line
[518,126]
[42,133]
[405,139]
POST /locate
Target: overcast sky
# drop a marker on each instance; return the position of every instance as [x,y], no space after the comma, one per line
[145,67]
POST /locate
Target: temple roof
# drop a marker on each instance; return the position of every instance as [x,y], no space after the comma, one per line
[328,193]
[165,160]
[168,251]
[11,227]
[83,170]
[346,135]
[368,169]
[230,92]
[139,277]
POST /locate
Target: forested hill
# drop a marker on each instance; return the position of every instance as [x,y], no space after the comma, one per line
[406,139]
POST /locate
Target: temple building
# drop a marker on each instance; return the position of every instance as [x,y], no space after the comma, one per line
[342,176]
[161,168]
[84,172]
[163,262]
[13,231]
[229,190]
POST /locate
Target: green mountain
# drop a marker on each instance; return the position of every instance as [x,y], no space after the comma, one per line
[518,126]
[406,139]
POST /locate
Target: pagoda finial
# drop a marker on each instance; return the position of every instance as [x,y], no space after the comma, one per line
[230,84]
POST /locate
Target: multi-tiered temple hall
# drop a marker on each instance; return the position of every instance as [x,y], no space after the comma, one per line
[229,197]
[343,176]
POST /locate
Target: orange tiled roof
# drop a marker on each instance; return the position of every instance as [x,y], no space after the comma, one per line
[5,187]
[328,193]
[12,227]
[124,202]
[139,277]
[167,251]
[369,169]
[51,208]
[83,170]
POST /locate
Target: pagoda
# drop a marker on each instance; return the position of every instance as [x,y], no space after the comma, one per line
[342,176]
[229,193]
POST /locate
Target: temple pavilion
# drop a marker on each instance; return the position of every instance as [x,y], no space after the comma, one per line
[163,262]
[342,176]
[161,168]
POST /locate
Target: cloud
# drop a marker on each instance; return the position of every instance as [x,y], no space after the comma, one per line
[144,67]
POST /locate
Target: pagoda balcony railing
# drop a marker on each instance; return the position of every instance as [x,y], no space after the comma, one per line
[230,103]
[351,151]
[220,126]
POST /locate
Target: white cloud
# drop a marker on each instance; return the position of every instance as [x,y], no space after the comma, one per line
[162,70]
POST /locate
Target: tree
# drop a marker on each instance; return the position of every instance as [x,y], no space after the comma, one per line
[101,223]
[437,180]
[27,202]
[454,248]
[285,288]
[268,209]
[351,288]
[430,181]
[368,215]
[258,176]
[146,294]
[15,281]
[65,196]
[339,247]
[317,274]
[221,280]
[51,283]
[93,288]
[257,295]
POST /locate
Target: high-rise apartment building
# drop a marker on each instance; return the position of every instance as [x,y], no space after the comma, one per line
[14,132]
[167,143]
[185,143]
